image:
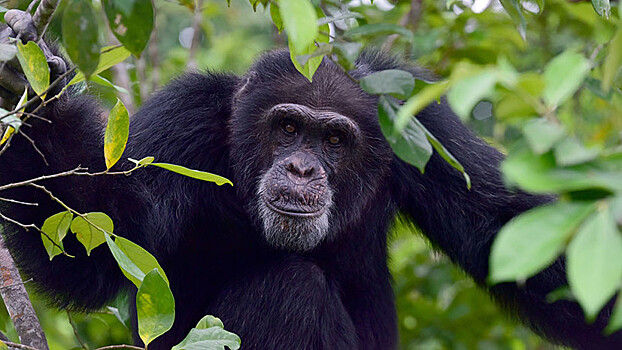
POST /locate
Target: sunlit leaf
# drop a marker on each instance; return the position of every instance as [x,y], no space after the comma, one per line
[35,66]
[80,35]
[209,334]
[131,21]
[542,135]
[415,104]
[139,256]
[195,174]
[275,14]
[90,230]
[613,60]
[155,307]
[129,269]
[602,7]
[563,75]
[594,262]
[534,239]
[300,23]
[570,152]
[117,132]
[55,228]
[109,57]
[144,161]
[465,93]
[7,52]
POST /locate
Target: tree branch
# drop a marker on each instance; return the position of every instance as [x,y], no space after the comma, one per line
[18,304]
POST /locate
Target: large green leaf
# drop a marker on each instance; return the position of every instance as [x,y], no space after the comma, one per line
[80,35]
[429,94]
[90,233]
[563,75]
[570,152]
[602,7]
[209,334]
[128,267]
[411,144]
[391,81]
[300,23]
[542,134]
[594,261]
[35,66]
[117,132]
[131,21]
[613,60]
[466,92]
[139,257]
[534,239]
[195,174]
[155,307]
[110,56]
[55,227]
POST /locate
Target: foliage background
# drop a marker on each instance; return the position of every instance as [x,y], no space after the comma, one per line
[439,308]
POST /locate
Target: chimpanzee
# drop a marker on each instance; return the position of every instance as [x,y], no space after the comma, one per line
[294,255]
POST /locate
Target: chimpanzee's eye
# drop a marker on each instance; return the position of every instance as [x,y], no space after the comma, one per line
[289,127]
[334,139]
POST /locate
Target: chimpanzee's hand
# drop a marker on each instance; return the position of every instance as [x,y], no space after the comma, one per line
[19,25]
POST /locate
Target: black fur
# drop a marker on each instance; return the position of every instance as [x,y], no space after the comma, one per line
[209,240]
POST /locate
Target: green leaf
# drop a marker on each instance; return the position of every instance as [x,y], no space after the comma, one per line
[390,81]
[563,75]
[143,162]
[539,174]
[209,321]
[513,8]
[117,132]
[275,14]
[110,56]
[415,104]
[613,60]
[377,29]
[615,321]
[300,23]
[209,334]
[91,236]
[80,34]
[466,92]
[98,79]
[347,53]
[570,152]
[155,307]
[55,227]
[129,269]
[35,66]
[602,7]
[542,135]
[594,263]
[195,174]
[447,156]
[131,21]
[533,240]
[139,257]
[411,145]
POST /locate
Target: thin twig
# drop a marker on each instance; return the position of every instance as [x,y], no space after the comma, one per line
[75,331]
[17,202]
[123,346]
[26,227]
[11,285]
[32,142]
[19,346]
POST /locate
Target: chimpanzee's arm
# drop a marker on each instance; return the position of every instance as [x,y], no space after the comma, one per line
[463,223]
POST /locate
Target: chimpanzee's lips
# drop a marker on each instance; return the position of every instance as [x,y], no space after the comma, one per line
[294,213]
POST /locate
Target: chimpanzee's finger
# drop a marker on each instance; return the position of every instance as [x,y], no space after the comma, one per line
[22,24]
